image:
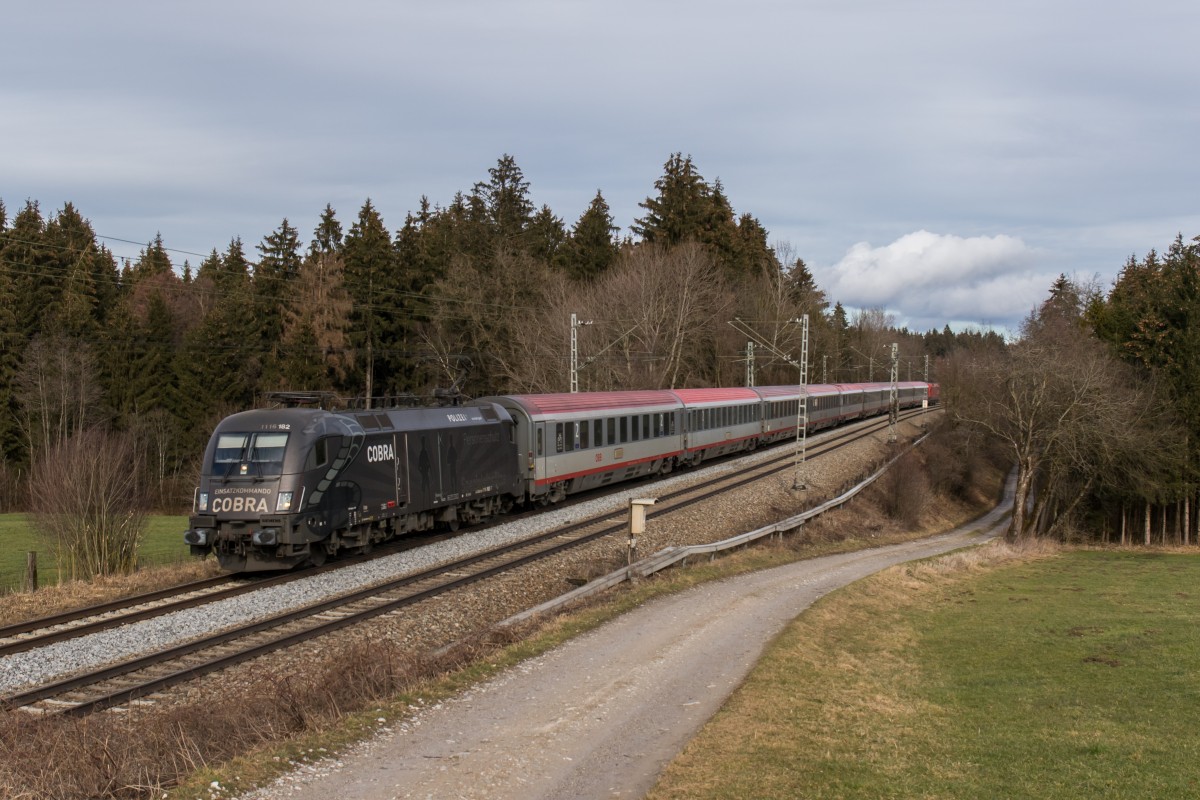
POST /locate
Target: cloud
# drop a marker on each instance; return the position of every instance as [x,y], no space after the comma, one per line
[926,276]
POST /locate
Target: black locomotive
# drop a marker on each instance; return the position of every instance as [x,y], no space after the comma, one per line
[287,486]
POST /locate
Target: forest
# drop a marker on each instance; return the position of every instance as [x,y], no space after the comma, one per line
[143,356]
[472,298]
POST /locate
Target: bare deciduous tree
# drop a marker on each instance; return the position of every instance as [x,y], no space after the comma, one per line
[1068,413]
[58,390]
[670,302]
[86,504]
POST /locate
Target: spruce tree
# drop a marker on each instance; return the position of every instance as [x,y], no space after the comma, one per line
[152,375]
[370,275]
[327,237]
[30,264]
[11,341]
[315,354]
[592,246]
[505,197]
[683,208]
[545,237]
[278,265]
[152,261]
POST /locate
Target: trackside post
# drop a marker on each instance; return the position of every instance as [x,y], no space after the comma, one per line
[637,524]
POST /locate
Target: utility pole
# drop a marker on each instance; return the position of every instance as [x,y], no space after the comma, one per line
[926,368]
[749,364]
[894,400]
[575,365]
[575,325]
[823,360]
[802,407]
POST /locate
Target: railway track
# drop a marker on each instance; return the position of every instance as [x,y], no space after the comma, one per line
[128,681]
[22,636]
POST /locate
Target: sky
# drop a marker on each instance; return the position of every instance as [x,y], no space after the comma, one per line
[942,160]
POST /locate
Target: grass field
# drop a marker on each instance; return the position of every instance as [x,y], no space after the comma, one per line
[1068,676]
[162,544]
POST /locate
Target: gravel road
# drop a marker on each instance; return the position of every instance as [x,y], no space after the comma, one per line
[601,715]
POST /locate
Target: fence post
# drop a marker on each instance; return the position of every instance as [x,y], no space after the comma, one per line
[31,580]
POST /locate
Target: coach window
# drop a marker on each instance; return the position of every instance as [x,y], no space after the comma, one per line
[598,433]
[624,429]
[612,430]
[540,436]
[636,430]
[558,437]
[582,428]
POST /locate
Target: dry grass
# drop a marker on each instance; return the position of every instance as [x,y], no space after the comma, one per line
[21,606]
[138,754]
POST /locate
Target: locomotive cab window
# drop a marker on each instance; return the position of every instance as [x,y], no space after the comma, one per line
[258,454]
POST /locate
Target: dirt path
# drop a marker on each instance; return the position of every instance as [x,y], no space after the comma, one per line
[602,714]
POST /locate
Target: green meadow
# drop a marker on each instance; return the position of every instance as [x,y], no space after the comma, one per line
[162,543]
[1075,675]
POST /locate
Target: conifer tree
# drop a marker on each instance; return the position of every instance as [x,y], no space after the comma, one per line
[315,354]
[278,265]
[545,237]
[505,197]
[11,340]
[839,329]
[152,261]
[78,307]
[221,356]
[30,264]
[592,248]
[82,269]
[751,253]
[327,237]
[682,209]
[370,276]
[151,378]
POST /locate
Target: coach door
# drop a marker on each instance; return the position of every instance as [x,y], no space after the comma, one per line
[543,445]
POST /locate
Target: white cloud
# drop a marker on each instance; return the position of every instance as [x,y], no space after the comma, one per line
[925,276]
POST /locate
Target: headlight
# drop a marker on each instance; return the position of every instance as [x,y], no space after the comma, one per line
[195,537]
[267,536]
[284,502]
[203,504]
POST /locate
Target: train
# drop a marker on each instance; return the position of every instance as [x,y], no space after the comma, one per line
[296,484]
